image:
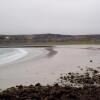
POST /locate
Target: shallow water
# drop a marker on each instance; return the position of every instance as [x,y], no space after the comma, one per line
[44,66]
[5,50]
[8,55]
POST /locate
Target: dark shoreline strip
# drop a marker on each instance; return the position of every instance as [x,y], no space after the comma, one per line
[25,46]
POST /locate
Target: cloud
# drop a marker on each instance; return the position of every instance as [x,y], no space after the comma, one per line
[56,16]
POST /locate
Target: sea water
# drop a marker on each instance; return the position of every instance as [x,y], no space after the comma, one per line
[11,54]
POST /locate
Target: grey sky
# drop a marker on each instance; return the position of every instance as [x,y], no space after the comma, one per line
[49,16]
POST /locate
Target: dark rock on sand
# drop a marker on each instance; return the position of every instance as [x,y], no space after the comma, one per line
[89,88]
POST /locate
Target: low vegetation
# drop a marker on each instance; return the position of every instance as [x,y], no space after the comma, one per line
[47,39]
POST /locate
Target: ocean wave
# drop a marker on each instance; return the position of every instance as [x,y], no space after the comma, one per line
[16,54]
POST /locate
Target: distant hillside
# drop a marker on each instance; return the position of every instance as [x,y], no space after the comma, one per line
[48,39]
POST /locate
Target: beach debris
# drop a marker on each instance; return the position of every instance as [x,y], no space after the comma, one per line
[91,60]
[89,88]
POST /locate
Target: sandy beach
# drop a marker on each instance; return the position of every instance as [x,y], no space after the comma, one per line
[46,67]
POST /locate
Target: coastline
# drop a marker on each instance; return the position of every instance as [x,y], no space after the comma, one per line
[47,66]
[71,86]
[22,54]
[24,61]
[13,56]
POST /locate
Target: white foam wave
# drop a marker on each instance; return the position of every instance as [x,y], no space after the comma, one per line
[13,56]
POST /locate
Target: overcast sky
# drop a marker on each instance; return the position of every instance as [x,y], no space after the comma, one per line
[49,16]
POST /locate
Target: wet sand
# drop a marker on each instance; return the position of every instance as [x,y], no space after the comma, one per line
[47,68]
[71,86]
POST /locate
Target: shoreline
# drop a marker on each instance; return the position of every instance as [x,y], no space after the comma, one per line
[47,67]
[21,53]
[13,56]
[25,46]
[88,91]
[45,52]
[41,46]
